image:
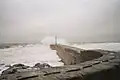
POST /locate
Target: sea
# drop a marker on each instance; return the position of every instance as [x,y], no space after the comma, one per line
[32,53]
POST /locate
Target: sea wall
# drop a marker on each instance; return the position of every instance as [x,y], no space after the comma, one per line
[71,55]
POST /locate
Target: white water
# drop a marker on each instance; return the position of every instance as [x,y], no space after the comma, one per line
[105,46]
[51,40]
[41,53]
[31,54]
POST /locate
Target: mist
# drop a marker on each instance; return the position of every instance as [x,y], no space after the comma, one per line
[73,20]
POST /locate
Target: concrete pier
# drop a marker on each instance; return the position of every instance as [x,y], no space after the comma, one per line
[71,55]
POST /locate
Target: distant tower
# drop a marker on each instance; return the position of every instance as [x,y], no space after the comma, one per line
[56,40]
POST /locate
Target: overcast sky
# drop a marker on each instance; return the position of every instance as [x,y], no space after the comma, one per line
[74,20]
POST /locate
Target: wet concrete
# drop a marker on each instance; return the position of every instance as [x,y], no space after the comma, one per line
[71,55]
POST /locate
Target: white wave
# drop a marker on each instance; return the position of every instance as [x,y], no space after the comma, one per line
[105,46]
[29,55]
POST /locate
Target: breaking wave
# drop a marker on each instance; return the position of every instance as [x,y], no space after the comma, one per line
[31,54]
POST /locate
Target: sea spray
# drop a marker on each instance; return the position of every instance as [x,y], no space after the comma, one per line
[51,40]
[31,54]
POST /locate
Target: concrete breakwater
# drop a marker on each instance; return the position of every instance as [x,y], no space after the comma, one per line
[71,55]
[79,65]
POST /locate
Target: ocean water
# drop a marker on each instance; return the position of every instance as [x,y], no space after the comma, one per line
[31,54]
[41,53]
[105,46]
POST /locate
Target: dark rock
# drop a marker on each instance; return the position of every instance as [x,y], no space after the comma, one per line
[2,64]
[9,71]
[13,69]
[20,66]
[8,65]
[4,46]
[44,65]
[37,65]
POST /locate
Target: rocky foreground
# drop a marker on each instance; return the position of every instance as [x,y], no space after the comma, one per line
[21,67]
[100,67]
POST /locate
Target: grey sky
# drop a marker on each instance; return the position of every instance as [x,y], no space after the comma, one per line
[75,20]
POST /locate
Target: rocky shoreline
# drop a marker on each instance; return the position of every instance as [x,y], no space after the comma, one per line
[21,67]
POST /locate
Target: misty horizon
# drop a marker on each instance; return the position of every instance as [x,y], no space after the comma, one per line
[75,21]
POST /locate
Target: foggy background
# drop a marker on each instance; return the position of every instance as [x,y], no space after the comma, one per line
[73,20]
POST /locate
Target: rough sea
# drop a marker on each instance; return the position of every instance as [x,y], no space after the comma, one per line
[31,54]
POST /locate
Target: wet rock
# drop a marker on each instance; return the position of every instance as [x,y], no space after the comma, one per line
[20,66]
[39,65]
[13,69]
[8,65]
[9,71]
[45,65]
